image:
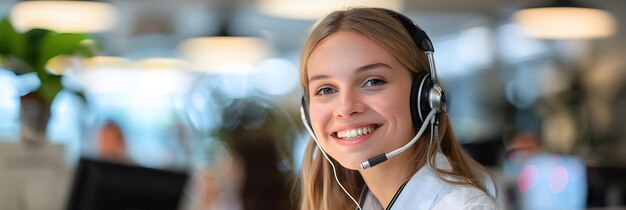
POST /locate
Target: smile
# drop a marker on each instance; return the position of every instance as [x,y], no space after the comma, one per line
[351,134]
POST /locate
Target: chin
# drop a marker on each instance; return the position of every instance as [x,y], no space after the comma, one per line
[352,164]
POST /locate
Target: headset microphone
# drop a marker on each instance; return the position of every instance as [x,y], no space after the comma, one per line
[385,156]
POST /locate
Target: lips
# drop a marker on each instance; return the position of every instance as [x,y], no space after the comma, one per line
[355,133]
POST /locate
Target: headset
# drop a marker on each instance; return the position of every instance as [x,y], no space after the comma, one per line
[427,98]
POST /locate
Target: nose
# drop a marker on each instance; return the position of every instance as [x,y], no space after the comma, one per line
[349,104]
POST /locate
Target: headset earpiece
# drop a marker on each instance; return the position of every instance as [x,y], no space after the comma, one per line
[426,94]
[420,89]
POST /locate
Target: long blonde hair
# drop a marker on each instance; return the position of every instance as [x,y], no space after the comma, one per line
[318,188]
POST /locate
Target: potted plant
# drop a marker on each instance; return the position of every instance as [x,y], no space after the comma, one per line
[29,52]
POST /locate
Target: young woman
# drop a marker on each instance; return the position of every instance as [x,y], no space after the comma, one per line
[357,69]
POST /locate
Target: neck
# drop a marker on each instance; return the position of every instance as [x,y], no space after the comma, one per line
[385,179]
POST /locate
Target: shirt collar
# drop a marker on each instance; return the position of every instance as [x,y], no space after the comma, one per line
[421,190]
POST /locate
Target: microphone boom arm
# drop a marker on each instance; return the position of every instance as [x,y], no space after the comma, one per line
[384,156]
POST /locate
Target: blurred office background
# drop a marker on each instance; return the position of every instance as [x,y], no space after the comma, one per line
[210,89]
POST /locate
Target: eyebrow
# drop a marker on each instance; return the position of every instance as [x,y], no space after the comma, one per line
[359,70]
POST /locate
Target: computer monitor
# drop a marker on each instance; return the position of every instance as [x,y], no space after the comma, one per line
[553,181]
[100,185]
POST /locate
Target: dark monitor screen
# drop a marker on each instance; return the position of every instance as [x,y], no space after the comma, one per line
[100,185]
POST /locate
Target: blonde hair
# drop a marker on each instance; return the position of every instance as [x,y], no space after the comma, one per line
[318,188]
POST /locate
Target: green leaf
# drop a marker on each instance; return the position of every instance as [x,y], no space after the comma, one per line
[11,42]
[31,51]
[34,38]
[58,44]
[50,87]
[5,37]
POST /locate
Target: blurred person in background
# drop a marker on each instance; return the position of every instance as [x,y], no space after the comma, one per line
[264,185]
[357,70]
[523,145]
[111,143]
[519,148]
[251,174]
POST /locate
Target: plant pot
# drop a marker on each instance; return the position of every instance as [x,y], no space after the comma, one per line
[34,117]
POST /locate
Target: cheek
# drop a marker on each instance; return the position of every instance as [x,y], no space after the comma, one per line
[396,108]
[396,103]
[319,115]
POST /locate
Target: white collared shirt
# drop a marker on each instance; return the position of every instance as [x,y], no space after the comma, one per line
[426,191]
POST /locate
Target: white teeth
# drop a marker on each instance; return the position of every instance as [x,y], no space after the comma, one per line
[353,133]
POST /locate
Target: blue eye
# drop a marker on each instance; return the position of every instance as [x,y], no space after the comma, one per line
[374,82]
[325,91]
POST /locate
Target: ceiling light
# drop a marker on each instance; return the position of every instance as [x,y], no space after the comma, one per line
[307,9]
[565,19]
[63,16]
[225,54]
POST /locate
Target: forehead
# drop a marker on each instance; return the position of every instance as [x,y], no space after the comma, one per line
[346,50]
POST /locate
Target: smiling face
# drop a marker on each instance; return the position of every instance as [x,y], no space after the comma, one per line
[358,98]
